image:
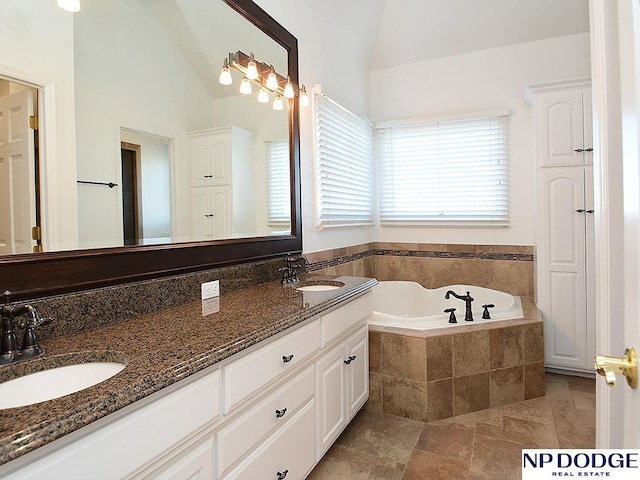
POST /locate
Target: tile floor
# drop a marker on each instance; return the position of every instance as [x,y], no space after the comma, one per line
[481,445]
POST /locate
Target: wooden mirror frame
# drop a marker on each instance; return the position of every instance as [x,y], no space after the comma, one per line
[36,275]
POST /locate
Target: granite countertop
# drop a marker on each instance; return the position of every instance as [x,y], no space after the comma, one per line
[160,349]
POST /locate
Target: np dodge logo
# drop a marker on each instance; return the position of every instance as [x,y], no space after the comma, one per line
[613,464]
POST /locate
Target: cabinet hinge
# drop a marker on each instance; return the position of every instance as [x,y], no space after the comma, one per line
[36,233]
[33,122]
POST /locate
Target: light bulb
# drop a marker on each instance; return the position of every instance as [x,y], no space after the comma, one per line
[272,80]
[69,5]
[263,95]
[304,98]
[245,86]
[277,102]
[252,69]
[288,89]
[225,74]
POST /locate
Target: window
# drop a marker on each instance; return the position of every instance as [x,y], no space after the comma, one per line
[278,193]
[343,165]
[447,173]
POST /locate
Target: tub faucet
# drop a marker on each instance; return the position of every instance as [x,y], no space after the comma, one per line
[9,350]
[468,315]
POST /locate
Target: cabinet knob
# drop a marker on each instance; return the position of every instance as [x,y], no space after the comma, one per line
[589,211]
[280,413]
[580,210]
[287,358]
[350,359]
[208,176]
[208,215]
[282,475]
[579,150]
[588,149]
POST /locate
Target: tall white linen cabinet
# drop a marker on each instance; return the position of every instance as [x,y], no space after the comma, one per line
[562,119]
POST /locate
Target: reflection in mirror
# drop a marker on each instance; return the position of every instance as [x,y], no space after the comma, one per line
[191,159]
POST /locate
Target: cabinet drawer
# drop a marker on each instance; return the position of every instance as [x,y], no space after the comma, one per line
[255,370]
[290,450]
[336,322]
[242,434]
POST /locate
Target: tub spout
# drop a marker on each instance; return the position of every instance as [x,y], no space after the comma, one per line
[468,314]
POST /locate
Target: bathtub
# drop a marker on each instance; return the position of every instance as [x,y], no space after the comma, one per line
[409,305]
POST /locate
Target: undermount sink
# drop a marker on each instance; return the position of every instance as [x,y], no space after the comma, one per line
[320,287]
[56,382]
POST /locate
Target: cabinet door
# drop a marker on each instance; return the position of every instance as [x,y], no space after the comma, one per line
[563,300]
[357,370]
[560,124]
[587,126]
[210,160]
[330,395]
[196,466]
[211,214]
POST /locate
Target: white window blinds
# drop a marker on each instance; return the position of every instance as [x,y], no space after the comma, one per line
[446,173]
[343,166]
[278,193]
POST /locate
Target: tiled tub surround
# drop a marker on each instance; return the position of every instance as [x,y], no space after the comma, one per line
[447,372]
[161,348]
[507,268]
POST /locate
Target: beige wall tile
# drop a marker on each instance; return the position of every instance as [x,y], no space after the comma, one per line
[471,393]
[470,353]
[405,398]
[507,386]
[403,357]
[513,277]
[439,399]
[374,404]
[439,357]
[533,342]
[375,339]
[534,380]
[506,347]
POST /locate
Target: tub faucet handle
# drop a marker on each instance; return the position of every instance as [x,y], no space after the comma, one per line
[452,315]
[485,312]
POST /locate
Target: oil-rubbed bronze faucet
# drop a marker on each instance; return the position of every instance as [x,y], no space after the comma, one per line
[9,350]
[468,315]
[289,271]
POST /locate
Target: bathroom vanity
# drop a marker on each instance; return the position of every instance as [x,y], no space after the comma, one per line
[259,389]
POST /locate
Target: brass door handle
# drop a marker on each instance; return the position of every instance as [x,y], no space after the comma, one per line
[627,365]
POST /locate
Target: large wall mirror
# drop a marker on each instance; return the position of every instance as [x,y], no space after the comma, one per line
[171,171]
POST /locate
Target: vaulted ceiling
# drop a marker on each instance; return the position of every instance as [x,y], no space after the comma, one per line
[396,32]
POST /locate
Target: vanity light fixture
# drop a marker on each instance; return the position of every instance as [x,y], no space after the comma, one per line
[272,80]
[225,74]
[245,86]
[263,95]
[69,5]
[265,75]
[288,89]
[277,102]
[252,69]
[304,98]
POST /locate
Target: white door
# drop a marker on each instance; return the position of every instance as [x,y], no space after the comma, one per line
[629,19]
[615,35]
[17,177]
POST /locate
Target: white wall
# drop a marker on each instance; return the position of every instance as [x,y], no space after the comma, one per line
[37,45]
[473,82]
[120,57]
[324,58]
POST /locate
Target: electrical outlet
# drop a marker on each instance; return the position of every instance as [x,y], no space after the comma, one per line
[210,289]
[210,305]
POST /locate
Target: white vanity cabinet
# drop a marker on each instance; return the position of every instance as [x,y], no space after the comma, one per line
[270,411]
